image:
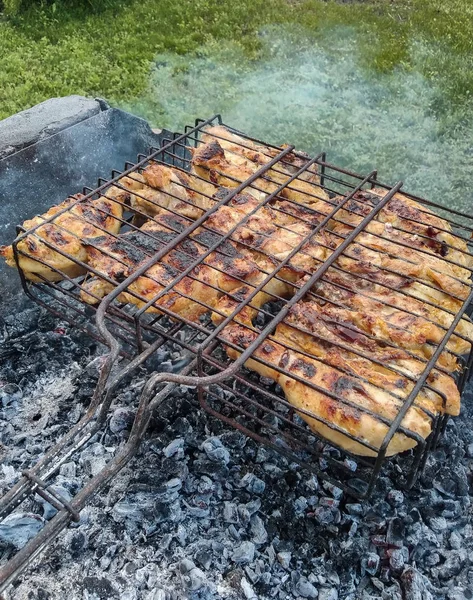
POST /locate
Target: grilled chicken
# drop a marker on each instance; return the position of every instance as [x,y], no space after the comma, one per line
[115,258]
[374,313]
[222,167]
[58,248]
[338,394]
[403,215]
[366,284]
[259,153]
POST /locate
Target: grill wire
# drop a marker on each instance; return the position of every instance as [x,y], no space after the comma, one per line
[225,388]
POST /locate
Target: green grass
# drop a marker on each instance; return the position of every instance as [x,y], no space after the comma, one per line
[57,49]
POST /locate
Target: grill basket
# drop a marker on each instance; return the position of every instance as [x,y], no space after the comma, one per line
[226,388]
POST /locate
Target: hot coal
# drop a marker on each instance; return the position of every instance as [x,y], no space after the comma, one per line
[204,512]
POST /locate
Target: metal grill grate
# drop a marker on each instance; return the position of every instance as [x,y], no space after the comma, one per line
[185,287]
[263,412]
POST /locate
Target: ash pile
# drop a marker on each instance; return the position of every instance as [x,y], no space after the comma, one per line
[202,512]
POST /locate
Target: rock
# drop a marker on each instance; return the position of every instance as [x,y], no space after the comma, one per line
[44,119]
[244,553]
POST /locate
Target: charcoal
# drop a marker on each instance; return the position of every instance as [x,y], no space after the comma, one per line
[16,529]
[121,420]
[192,577]
[230,512]
[370,563]
[48,510]
[244,553]
[216,451]
[328,593]
[101,587]
[415,586]
[250,522]
[398,558]
[258,530]
[284,559]
[247,590]
[253,484]
[175,448]
[455,560]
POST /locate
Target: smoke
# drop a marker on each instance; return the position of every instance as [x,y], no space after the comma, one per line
[317,95]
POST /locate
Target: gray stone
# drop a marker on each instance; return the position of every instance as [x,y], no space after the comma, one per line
[41,121]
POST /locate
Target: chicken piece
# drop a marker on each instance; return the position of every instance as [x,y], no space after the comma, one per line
[311,328]
[259,153]
[426,282]
[431,232]
[425,323]
[210,161]
[115,258]
[170,188]
[263,241]
[56,249]
[334,405]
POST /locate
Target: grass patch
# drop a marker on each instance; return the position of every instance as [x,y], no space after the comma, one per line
[57,49]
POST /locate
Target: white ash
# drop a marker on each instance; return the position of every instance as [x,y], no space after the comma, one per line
[202,512]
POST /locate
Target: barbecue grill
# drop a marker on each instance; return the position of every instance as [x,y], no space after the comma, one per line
[225,388]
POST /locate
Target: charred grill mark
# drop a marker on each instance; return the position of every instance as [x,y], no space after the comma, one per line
[210,151]
[344,386]
[308,369]
[284,361]
[31,245]
[58,238]
[173,222]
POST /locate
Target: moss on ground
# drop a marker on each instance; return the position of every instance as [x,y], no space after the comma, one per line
[55,49]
